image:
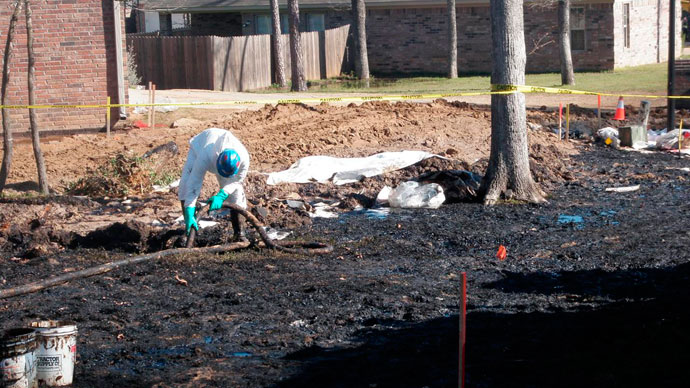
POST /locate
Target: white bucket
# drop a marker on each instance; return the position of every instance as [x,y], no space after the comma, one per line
[17,362]
[56,352]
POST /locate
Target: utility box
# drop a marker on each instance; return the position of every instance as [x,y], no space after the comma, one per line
[682,85]
[631,135]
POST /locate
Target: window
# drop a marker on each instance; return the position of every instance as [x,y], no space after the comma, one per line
[316,22]
[165,22]
[263,25]
[626,25]
[284,24]
[577,29]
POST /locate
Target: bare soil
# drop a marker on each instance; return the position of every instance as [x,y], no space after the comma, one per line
[598,300]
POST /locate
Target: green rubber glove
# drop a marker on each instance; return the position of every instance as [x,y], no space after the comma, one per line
[189,219]
[217,200]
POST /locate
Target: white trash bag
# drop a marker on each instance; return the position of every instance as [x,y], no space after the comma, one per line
[413,195]
[669,140]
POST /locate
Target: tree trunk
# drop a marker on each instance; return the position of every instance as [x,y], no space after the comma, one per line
[7,130]
[277,45]
[452,41]
[359,17]
[567,74]
[299,82]
[38,155]
[508,173]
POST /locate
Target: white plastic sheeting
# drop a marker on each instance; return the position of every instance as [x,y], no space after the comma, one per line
[413,195]
[345,170]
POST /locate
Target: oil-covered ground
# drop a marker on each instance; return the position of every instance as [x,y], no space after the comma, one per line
[593,291]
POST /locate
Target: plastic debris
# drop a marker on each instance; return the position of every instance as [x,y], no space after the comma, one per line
[625,189]
[413,195]
[319,168]
[458,185]
[609,136]
[578,221]
[165,189]
[295,204]
[669,140]
[275,234]
[384,194]
[322,210]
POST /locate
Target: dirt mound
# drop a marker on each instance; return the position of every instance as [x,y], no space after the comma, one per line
[115,169]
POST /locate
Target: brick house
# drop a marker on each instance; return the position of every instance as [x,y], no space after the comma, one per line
[409,36]
[79,61]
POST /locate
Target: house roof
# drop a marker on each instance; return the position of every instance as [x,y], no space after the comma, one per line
[248,5]
[182,6]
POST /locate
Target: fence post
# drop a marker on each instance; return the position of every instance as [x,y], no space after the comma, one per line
[150,102]
[107,116]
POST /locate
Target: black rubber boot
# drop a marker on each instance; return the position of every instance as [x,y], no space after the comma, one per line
[237,232]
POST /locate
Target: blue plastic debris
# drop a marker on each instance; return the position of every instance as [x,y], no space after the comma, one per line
[566,219]
[578,221]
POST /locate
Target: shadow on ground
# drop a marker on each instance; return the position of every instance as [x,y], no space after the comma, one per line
[640,338]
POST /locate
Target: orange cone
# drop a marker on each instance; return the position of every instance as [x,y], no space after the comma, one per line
[620,110]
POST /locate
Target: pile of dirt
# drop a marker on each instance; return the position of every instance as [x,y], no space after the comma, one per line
[131,162]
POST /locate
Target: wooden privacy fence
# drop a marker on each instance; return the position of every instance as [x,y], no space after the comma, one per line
[235,63]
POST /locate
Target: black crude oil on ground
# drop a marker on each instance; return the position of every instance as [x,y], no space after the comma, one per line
[593,292]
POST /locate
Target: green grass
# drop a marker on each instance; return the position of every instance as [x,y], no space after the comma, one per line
[648,79]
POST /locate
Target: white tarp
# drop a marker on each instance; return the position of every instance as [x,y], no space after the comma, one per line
[345,170]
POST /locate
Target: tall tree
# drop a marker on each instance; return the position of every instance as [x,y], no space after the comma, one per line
[299,81]
[277,45]
[359,16]
[567,73]
[508,173]
[7,129]
[452,41]
[35,139]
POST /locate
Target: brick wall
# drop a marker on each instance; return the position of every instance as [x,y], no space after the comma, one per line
[74,43]
[414,40]
[648,32]
[541,39]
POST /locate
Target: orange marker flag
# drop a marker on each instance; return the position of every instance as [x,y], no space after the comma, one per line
[502,253]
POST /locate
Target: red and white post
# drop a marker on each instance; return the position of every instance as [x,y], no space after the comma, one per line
[463,315]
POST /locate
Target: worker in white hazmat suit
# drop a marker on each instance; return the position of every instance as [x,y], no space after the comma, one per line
[214,150]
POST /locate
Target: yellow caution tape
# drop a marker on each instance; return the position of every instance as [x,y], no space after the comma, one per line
[495,89]
[541,89]
[268,101]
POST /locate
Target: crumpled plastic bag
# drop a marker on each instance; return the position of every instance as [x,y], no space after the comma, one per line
[458,185]
[413,195]
[669,140]
[609,136]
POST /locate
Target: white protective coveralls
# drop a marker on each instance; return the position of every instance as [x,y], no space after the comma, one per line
[204,149]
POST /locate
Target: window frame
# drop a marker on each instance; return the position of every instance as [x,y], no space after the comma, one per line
[316,15]
[582,28]
[259,16]
[284,23]
[626,25]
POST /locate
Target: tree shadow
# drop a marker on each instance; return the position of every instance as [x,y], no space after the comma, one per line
[23,186]
[639,339]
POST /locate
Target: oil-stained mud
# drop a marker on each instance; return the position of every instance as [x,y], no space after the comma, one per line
[592,292]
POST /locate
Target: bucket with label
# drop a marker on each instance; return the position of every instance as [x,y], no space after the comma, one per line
[56,352]
[17,362]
